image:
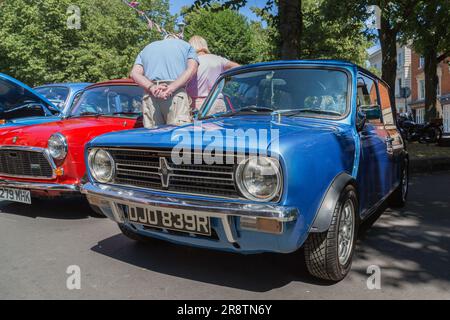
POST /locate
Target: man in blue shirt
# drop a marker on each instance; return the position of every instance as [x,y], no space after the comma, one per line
[163,69]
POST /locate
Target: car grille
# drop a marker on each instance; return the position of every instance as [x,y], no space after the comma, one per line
[24,163]
[154,169]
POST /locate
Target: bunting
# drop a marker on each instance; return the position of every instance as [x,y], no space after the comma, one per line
[150,23]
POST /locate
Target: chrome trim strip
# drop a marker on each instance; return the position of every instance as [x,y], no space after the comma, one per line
[32,149]
[114,196]
[39,186]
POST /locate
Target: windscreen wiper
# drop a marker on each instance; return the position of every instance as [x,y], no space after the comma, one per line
[124,113]
[85,114]
[310,110]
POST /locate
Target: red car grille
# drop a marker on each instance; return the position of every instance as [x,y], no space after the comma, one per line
[24,163]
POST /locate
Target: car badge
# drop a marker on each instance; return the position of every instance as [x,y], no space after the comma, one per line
[14,140]
[164,172]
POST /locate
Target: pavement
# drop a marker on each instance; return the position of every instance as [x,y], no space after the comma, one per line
[38,243]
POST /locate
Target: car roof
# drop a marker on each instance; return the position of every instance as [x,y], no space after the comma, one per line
[71,85]
[305,62]
[125,81]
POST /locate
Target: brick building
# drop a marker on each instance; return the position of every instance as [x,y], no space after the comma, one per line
[403,77]
[418,90]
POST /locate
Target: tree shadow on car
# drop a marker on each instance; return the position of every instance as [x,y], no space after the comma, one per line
[257,273]
[410,245]
[59,208]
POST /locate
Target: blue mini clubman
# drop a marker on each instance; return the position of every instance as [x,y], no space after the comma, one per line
[281,155]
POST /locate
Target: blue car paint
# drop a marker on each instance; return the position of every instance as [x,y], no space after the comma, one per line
[75,88]
[312,153]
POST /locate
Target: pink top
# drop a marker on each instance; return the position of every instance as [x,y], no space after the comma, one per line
[211,66]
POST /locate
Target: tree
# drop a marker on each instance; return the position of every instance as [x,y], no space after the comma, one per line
[328,38]
[227,32]
[393,16]
[288,21]
[324,36]
[44,49]
[429,33]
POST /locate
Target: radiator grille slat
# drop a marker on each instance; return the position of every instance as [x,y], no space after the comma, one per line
[24,163]
[142,168]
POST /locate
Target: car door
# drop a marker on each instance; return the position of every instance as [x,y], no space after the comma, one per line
[374,158]
[394,141]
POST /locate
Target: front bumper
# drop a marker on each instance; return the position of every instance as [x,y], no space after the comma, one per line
[108,198]
[37,186]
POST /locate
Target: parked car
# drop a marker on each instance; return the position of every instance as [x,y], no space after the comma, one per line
[328,156]
[21,105]
[47,160]
[62,95]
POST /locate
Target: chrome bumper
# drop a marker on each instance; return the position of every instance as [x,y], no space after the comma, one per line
[110,196]
[39,186]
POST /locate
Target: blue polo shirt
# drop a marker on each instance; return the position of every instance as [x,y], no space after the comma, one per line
[166,59]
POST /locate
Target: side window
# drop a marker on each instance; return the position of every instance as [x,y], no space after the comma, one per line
[386,106]
[367,98]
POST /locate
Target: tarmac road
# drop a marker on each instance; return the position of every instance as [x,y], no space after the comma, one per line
[38,243]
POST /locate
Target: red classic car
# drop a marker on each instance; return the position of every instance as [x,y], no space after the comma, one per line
[47,160]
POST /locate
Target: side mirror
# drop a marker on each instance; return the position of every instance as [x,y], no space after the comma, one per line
[372,112]
[360,120]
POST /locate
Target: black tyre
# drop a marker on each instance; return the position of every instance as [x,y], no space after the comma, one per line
[400,195]
[329,255]
[130,234]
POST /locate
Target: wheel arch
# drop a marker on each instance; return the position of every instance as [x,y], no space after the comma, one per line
[322,220]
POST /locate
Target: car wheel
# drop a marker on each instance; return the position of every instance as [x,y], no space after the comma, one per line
[130,234]
[400,195]
[329,254]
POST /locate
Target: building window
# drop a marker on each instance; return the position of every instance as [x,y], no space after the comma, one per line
[400,60]
[420,115]
[399,88]
[421,89]
[439,87]
[421,62]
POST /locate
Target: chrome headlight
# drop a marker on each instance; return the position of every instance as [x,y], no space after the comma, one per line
[259,178]
[101,165]
[57,146]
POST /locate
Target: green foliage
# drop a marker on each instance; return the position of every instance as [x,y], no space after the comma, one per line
[327,38]
[429,27]
[324,35]
[38,47]
[227,32]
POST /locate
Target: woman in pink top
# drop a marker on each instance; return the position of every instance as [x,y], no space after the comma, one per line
[210,68]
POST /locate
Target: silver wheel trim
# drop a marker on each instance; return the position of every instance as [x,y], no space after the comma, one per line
[404,184]
[346,232]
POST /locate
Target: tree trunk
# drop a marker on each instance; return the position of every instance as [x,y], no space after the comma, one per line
[388,41]
[290,26]
[431,83]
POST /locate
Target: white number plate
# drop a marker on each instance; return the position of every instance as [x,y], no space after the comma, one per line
[16,195]
[177,220]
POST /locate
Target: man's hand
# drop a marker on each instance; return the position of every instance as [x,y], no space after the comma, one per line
[167,92]
[158,90]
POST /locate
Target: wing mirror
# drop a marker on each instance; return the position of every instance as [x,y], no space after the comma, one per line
[372,112]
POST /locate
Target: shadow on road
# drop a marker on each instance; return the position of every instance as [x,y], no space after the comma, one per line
[65,209]
[410,245]
[257,273]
